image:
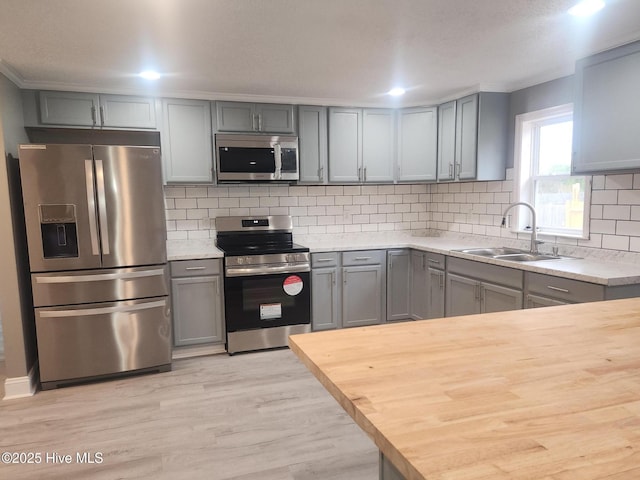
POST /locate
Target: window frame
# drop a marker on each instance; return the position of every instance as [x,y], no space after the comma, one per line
[526,144]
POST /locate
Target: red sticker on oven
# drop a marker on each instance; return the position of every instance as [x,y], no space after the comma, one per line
[292,285]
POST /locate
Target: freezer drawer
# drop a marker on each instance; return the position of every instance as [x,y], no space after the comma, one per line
[92,286]
[85,341]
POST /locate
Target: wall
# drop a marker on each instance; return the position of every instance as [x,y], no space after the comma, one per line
[191,210]
[15,309]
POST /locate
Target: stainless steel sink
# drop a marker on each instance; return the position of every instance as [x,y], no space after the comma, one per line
[510,254]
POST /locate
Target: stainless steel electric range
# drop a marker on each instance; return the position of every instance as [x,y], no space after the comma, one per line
[267,282]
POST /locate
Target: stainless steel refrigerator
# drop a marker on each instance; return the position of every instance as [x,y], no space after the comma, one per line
[96,235]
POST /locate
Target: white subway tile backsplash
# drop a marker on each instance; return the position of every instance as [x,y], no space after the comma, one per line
[249,202]
[239,211]
[615,242]
[197,213]
[628,228]
[177,214]
[326,200]
[186,203]
[629,197]
[278,210]
[288,201]
[229,202]
[195,192]
[618,182]
[598,182]
[603,226]
[604,197]
[617,212]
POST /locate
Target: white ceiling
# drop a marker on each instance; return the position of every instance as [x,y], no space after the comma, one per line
[333,52]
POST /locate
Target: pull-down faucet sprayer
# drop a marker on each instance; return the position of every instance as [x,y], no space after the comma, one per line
[534,234]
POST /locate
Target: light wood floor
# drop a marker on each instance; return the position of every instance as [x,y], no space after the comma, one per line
[257,416]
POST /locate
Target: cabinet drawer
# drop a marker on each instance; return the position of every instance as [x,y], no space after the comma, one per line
[319,260]
[435,260]
[363,257]
[191,268]
[564,288]
[509,277]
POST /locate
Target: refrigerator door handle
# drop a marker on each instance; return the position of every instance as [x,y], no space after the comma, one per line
[99,277]
[101,310]
[91,202]
[102,208]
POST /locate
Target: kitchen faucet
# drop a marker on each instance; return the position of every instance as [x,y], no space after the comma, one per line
[534,235]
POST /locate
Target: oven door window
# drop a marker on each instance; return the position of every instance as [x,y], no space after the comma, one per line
[267,301]
[247,160]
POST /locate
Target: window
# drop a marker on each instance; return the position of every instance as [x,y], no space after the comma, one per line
[543,174]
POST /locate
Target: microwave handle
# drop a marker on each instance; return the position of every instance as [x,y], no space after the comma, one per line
[278,158]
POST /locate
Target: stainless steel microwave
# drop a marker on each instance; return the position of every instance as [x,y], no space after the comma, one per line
[257,158]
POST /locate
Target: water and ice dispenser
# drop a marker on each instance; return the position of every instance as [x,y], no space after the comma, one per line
[58,225]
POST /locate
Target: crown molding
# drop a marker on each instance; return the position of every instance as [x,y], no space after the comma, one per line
[11,73]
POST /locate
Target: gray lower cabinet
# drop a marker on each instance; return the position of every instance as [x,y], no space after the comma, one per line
[427,285]
[475,287]
[363,288]
[96,110]
[398,285]
[187,151]
[606,111]
[313,144]
[537,301]
[325,296]
[197,302]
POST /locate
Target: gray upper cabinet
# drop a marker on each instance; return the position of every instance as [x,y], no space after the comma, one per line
[606,108]
[472,137]
[187,152]
[398,285]
[361,145]
[313,144]
[446,140]
[417,144]
[345,144]
[93,110]
[378,145]
[254,117]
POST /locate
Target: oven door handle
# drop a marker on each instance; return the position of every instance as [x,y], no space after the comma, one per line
[248,271]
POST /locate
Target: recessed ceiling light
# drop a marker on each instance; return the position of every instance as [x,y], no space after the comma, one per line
[397,91]
[149,75]
[586,8]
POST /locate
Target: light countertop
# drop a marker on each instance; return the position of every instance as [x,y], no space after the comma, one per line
[603,271]
[527,394]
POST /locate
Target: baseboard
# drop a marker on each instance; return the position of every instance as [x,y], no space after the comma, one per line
[20,387]
[197,351]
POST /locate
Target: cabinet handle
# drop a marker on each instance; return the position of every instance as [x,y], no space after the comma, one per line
[362,258]
[558,289]
[333,278]
[456,170]
[321,174]
[424,266]
[359,173]
[259,122]
[101,115]
[365,174]
[253,121]
[94,116]
[441,276]
[477,291]
[195,268]
[431,260]
[451,170]
[324,260]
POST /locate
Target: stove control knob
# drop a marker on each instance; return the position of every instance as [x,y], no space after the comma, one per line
[291,258]
[247,260]
[240,260]
[300,257]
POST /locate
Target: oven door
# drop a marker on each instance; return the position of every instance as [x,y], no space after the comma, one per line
[263,301]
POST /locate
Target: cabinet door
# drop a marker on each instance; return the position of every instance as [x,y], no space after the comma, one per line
[446,140]
[536,301]
[398,289]
[417,144]
[324,298]
[606,111]
[186,141]
[235,117]
[436,299]
[197,310]
[463,295]
[275,118]
[466,137]
[419,286]
[500,299]
[119,111]
[312,131]
[345,140]
[378,145]
[69,108]
[361,295]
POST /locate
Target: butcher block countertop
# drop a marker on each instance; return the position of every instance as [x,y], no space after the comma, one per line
[549,393]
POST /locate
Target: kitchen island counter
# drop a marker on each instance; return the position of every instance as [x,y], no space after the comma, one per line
[548,393]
